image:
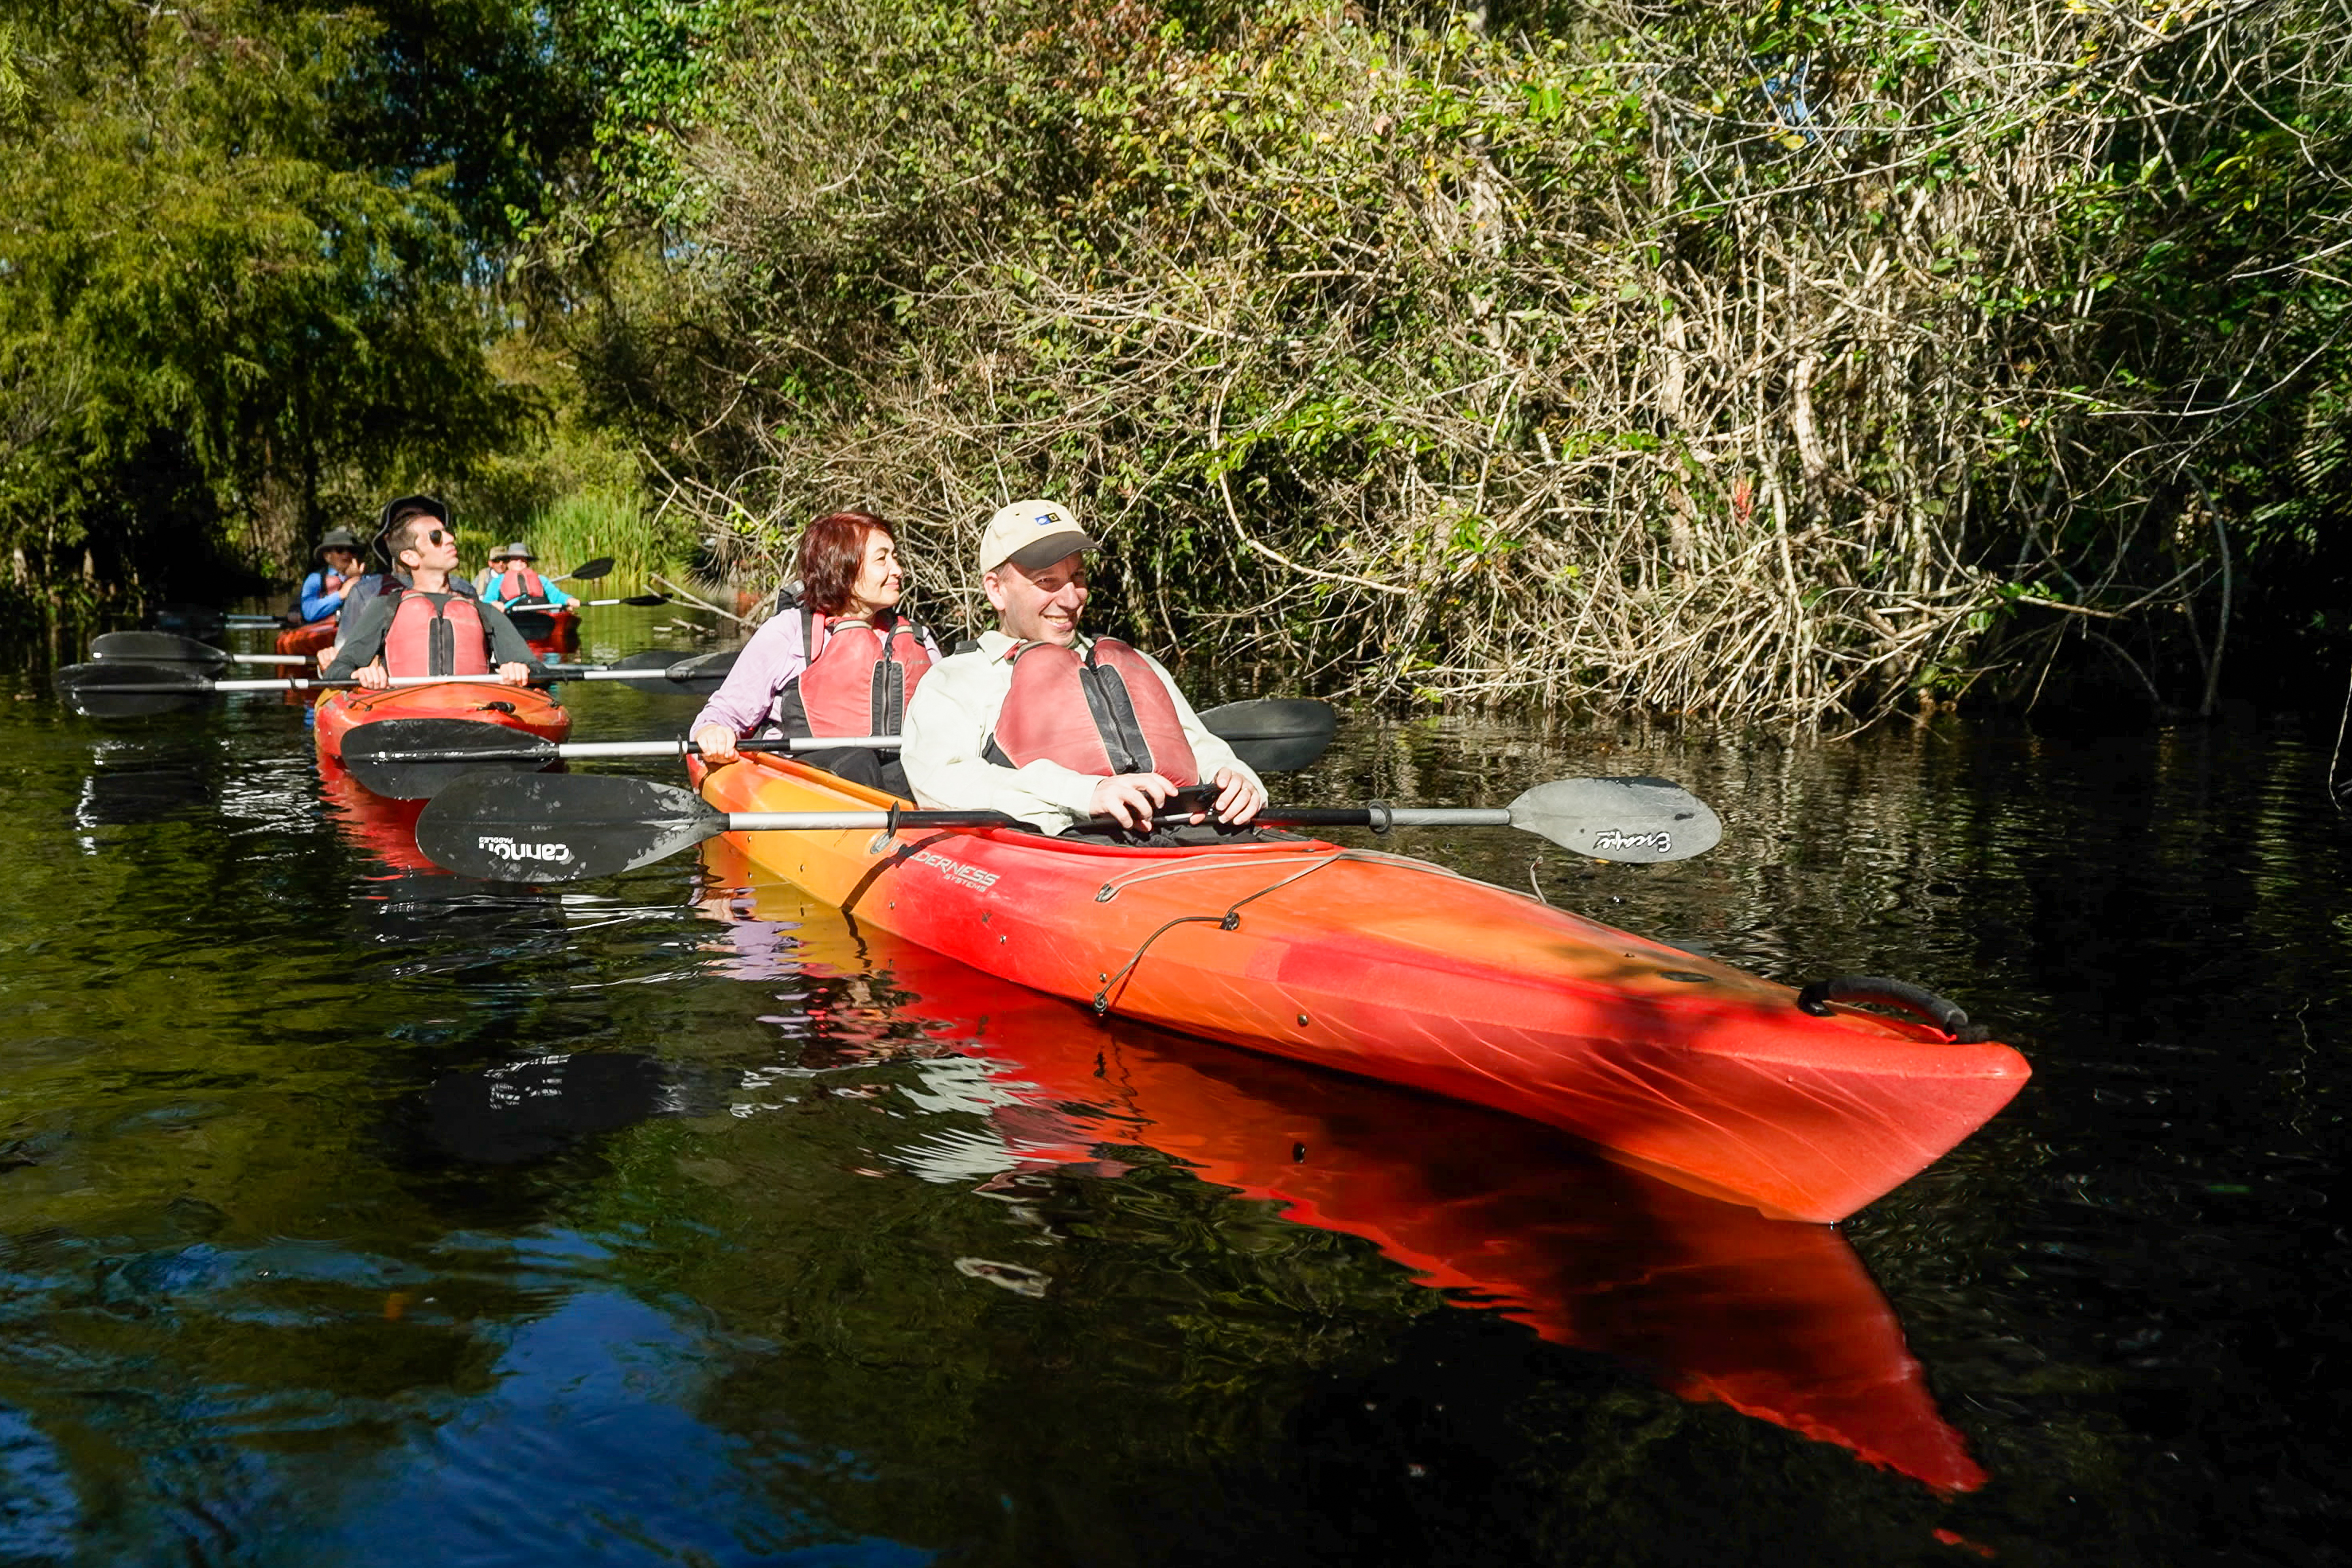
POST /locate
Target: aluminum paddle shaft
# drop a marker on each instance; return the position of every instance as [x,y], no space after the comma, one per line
[417,759]
[554,827]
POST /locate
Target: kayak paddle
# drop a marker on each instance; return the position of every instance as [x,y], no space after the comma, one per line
[588,573]
[1274,734]
[170,647]
[120,689]
[560,828]
[646,600]
[415,759]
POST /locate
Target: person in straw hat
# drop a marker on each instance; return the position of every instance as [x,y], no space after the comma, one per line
[512,580]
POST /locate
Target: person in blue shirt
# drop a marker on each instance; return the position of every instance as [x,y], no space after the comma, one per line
[322,590]
[514,581]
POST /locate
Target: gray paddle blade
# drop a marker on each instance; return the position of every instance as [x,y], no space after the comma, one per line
[701,674]
[167,648]
[1273,734]
[558,828]
[1636,820]
[417,759]
[111,690]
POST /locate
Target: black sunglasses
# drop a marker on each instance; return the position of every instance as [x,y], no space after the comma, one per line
[435,535]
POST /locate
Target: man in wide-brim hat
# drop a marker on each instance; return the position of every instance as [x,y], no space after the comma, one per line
[322,590]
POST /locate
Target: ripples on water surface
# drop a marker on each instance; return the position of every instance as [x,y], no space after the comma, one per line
[353,1214]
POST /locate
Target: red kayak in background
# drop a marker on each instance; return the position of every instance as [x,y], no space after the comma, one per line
[1778,1321]
[547,631]
[308,640]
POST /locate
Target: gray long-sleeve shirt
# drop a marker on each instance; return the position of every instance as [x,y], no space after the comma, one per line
[364,626]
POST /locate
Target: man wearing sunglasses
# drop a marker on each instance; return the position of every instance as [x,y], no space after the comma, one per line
[428,621]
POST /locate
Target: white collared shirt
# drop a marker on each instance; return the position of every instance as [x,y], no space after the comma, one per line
[951,718]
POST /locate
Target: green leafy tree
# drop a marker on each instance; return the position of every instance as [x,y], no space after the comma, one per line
[247,259]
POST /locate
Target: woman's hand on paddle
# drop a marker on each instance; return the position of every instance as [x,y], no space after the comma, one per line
[514,674]
[717,744]
[1239,796]
[1129,798]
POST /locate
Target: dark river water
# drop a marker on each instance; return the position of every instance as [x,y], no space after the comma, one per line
[351,1212]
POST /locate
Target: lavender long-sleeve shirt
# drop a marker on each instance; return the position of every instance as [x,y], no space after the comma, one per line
[772,660]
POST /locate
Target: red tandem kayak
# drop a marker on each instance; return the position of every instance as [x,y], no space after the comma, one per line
[1395,969]
[1780,1321]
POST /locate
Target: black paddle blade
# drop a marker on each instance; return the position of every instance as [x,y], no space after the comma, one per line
[114,690]
[1642,820]
[589,573]
[1274,734]
[417,759]
[560,828]
[646,601]
[192,620]
[157,647]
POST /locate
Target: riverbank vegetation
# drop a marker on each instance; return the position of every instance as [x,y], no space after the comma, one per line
[1783,362]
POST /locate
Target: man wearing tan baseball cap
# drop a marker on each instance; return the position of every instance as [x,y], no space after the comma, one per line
[1095,728]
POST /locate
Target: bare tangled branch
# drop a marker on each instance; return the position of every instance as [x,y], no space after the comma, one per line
[1660,364]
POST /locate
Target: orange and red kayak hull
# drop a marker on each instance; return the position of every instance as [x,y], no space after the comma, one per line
[1398,970]
[526,708]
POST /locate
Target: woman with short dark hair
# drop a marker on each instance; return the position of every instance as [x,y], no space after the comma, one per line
[836,658]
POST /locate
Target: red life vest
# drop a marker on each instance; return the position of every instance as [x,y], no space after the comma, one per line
[428,638]
[859,683]
[1107,714]
[521,583]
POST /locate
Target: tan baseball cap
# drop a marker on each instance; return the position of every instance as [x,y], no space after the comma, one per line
[1032,534]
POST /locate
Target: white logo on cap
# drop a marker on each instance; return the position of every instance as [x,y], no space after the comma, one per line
[1045,518]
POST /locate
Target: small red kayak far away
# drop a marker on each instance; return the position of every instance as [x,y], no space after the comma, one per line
[1777,1320]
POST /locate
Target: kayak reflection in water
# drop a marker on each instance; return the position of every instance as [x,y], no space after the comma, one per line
[1048,725]
[836,658]
[1717,1304]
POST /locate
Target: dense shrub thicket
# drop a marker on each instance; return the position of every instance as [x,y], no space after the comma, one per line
[1787,362]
